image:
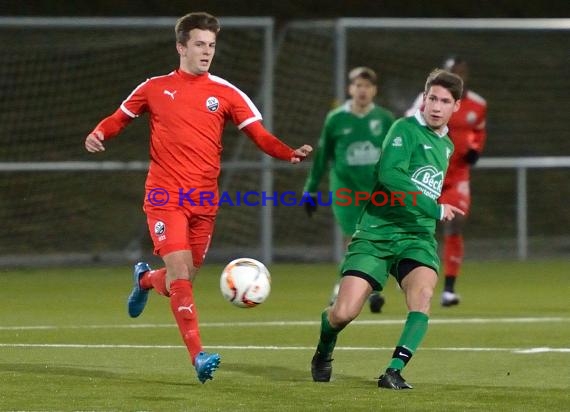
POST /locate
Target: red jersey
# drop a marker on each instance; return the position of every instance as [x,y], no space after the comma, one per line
[187,118]
[466,131]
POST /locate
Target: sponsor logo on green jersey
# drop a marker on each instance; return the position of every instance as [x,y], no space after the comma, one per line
[362,153]
[429,180]
[375,127]
[397,142]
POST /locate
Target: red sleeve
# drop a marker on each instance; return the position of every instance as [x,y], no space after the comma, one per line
[243,110]
[480,135]
[133,106]
[112,125]
[136,103]
[267,142]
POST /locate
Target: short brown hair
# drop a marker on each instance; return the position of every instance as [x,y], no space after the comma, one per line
[450,81]
[197,20]
[362,72]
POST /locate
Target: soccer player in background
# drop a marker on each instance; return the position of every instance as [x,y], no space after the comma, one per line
[188,109]
[351,139]
[398,237]
[468,134]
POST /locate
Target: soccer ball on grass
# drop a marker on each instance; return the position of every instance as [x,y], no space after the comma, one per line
[245,282]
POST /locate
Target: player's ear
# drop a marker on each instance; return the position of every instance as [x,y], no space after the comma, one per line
[457,105]
[180,48]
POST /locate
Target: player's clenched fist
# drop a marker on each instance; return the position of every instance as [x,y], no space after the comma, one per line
[94,142]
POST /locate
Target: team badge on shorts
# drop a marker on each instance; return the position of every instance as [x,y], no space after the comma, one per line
[212,104]
[159,228]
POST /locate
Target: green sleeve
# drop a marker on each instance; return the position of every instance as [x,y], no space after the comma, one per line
[394,170]
[390,120]
[391,117]
[321,158]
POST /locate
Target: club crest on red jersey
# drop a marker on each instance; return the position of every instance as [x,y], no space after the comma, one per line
[159,228]
[212,104]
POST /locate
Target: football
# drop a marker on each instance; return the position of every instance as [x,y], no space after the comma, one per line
[245,282]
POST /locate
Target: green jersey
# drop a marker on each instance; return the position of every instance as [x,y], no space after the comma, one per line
[409,179]
[352,143]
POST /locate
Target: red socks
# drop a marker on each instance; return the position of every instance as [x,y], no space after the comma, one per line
[182,305]
[186,315]
[155,279]
[452,254]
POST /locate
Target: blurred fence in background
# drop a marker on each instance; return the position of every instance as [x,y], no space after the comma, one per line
[59,77]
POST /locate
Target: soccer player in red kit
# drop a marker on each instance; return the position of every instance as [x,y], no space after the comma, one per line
[188,109]
[468,134]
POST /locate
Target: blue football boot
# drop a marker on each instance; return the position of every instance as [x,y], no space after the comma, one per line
[139,296]
[205,364]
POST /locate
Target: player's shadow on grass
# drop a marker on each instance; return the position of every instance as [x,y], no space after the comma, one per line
[280,373]
[269,372]
[44,369]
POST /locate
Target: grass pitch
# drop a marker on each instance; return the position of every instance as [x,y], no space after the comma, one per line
[66,343]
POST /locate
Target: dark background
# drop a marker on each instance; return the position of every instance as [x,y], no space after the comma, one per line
[285,10]
[56,88]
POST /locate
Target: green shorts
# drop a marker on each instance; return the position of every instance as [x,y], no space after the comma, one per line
[375,260]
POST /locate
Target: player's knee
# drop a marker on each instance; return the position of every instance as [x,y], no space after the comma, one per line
[425,293]
[192,272]
[342,315]
[178,270]
[172,276]
[419,298]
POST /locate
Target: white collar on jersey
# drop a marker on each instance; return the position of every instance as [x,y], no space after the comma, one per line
[347,108]
[420,118]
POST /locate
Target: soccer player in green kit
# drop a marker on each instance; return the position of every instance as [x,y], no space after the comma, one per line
[351,139]
[398,237]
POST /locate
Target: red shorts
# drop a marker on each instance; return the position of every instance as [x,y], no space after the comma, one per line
[172,230]
[457,194]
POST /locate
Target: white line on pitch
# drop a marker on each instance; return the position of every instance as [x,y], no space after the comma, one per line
[436,321]
[276,348]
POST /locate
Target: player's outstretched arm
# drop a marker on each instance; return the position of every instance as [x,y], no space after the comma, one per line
[273,146]
[107,128]
[449,212]
[94,142]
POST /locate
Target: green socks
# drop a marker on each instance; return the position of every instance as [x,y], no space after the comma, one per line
[414,331]
[327,340]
